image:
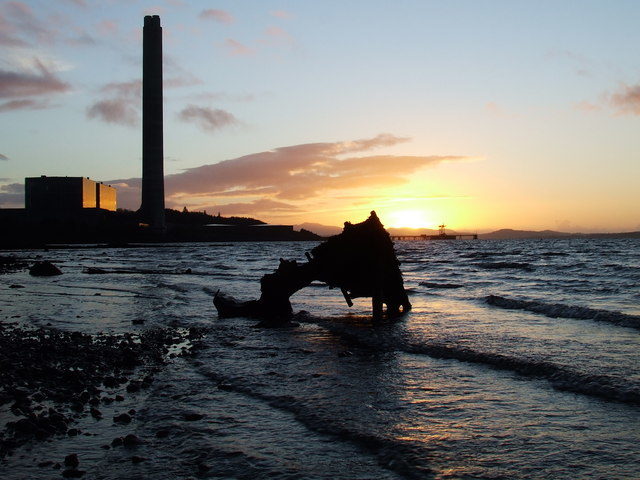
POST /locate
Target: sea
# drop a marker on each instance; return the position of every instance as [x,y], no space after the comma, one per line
[519,360]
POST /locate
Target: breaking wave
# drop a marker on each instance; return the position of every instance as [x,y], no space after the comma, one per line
[402,457]
[505,265]
[440,285]
[559,377]
[555,310]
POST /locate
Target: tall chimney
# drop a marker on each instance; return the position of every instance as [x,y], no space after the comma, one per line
[152,207]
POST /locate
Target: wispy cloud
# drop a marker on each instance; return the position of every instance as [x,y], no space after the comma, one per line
[256,207]
[12,195]
[290,175]
[276,36]
[209,119]
[237,49]
[107,28]
[220,16]
[27,84]
[24,104]
[116,110]
[120,104]
[20,26]
[626,101]
[283,14]
[21,86]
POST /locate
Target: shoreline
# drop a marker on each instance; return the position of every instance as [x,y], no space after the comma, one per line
[52,381]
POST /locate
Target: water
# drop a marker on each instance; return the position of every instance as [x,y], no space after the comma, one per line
[520,359]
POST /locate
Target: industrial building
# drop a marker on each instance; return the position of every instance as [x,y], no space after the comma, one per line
[66,196]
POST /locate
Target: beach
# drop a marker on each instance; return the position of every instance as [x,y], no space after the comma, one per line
[519,359]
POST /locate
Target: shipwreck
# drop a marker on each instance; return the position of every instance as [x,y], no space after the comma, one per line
[360,261]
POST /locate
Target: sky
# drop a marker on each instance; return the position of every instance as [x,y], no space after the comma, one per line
[477,114]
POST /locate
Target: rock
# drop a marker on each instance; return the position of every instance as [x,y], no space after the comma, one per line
[116,442]
[73,473]
[137,321]
[119,398]
[137,459]
[94,270]
[131,440]
[122,418]
[132,412]
[133,387]
[105,447]
[191,417]
[95,413]
[110,382]
[72,432]
[16,286]
[25,426]
[71,460]
[44,269]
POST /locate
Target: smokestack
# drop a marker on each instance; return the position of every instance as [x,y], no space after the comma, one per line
[152,207]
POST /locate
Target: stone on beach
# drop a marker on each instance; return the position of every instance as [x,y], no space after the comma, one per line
[44,269]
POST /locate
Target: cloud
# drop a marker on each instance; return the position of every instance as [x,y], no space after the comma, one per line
[281,14]
[3,157]
[209,119]
[24,104]
[117,110]
[262,205]
[107,27]
[236,49]
[626,101]
[276,35]
[21,27]
[293,174]
[585,106]
[120,105]
[27,84]
[12,195]
[219,16]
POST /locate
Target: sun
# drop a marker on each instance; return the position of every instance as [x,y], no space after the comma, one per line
[410,219]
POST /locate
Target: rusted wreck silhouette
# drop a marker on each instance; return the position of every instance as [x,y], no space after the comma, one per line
[360,261]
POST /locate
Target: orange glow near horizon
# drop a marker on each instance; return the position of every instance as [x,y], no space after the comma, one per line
[411,219]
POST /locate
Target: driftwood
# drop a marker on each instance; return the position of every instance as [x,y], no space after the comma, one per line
[360,261]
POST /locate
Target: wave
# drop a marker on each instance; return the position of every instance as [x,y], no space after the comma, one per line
[555,310]
[440,285]
[506,265]
[560,377]
[400,456]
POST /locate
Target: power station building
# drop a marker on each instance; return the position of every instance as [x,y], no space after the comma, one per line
[66,196]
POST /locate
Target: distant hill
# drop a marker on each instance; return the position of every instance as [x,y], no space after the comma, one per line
[319,229]
[503,234]
[509,234]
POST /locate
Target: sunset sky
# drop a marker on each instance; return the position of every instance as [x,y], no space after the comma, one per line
[478,114]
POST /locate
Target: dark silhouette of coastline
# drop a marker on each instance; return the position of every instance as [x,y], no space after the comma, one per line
[120,228]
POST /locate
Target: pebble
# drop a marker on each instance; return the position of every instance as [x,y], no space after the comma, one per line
[131,440]
[191,417]
[122,418]
[73,473]
[71,460]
